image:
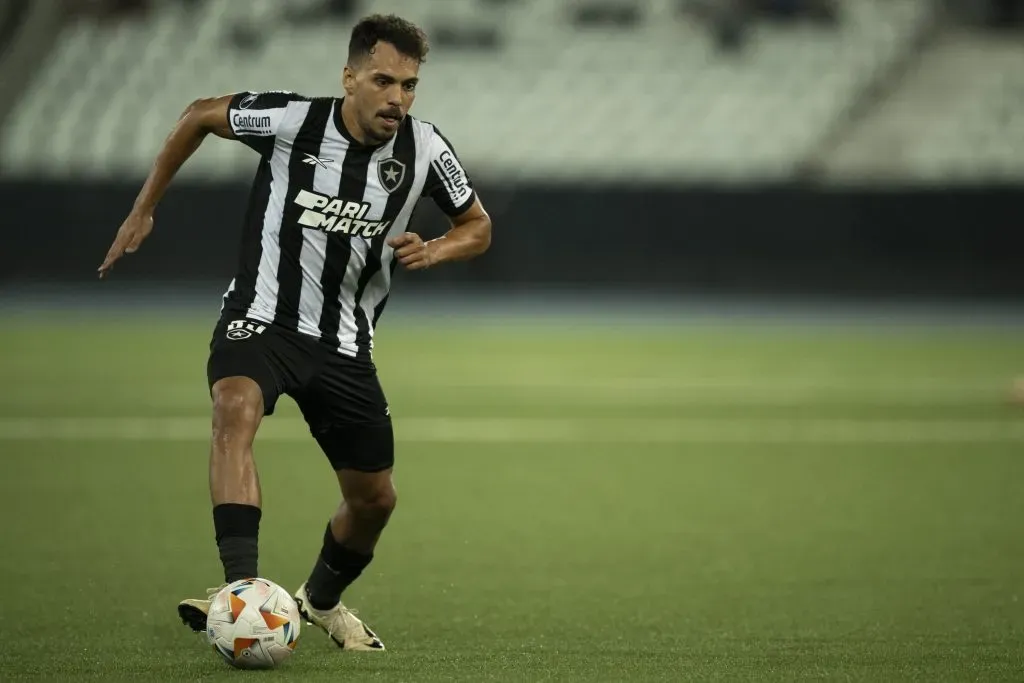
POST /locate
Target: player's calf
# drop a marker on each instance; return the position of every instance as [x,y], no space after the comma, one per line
[348,544]
[234,488]
[349,541]
[237,413]
[366,510]
[234,483]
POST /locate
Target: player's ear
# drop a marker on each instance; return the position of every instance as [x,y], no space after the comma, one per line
[348,80]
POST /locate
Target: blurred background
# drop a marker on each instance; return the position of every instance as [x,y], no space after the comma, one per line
[727,395]
[808,149]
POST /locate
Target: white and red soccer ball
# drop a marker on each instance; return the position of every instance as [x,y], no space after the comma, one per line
[253,624]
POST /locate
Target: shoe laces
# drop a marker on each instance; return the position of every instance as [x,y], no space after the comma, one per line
[339,617]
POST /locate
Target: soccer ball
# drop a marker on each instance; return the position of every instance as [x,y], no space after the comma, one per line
[253,624]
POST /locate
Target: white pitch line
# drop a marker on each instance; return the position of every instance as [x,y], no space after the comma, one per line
[691,391]
[548,430]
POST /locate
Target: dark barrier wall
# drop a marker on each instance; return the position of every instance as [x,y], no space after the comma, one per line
[964,243]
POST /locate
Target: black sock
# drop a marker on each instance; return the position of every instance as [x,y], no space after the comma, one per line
[237,527]
[335,569]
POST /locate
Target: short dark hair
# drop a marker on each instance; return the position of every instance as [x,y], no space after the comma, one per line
[407,37]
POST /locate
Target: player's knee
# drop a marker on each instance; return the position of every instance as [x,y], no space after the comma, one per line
[375,505]
[236,404]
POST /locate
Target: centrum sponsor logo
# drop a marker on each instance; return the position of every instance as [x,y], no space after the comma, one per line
[452,175]
[251,123]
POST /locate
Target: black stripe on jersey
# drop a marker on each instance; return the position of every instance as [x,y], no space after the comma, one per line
[379,308]
[241,298]
[339,245]
[439,177]
[405,151]
[268,99]
[300,176]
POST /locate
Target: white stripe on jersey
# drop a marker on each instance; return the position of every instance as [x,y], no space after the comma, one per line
[314,242]
[347,328]
[264,305]
[376,196]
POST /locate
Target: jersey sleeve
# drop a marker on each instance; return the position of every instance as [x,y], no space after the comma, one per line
[447,183]
[256,117]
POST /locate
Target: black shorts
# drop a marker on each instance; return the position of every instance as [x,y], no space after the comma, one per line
[340,397]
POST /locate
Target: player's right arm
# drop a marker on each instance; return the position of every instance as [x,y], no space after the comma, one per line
[249,117]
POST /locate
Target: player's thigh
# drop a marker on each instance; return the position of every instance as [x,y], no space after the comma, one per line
[247,349]
[348,415]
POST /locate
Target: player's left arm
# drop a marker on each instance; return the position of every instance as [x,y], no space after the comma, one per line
[450,187]
[468,237]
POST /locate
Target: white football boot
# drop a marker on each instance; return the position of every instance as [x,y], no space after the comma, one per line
[193,611]
[340,623]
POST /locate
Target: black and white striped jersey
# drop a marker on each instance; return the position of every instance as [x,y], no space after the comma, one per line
[322,205]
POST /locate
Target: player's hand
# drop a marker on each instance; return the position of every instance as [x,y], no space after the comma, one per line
[412,252]
[130,235]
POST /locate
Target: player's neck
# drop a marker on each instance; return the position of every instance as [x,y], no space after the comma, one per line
[351,123]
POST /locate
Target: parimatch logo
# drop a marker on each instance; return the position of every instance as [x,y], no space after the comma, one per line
[331,215]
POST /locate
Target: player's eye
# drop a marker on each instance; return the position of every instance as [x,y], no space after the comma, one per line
[410,87]
[382,82]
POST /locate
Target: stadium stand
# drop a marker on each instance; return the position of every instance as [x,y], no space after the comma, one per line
[559,80]
[958,115]
[561,89]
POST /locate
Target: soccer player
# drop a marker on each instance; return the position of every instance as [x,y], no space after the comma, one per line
[334,191]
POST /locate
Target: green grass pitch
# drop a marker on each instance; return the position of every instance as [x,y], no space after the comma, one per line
[578,502]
